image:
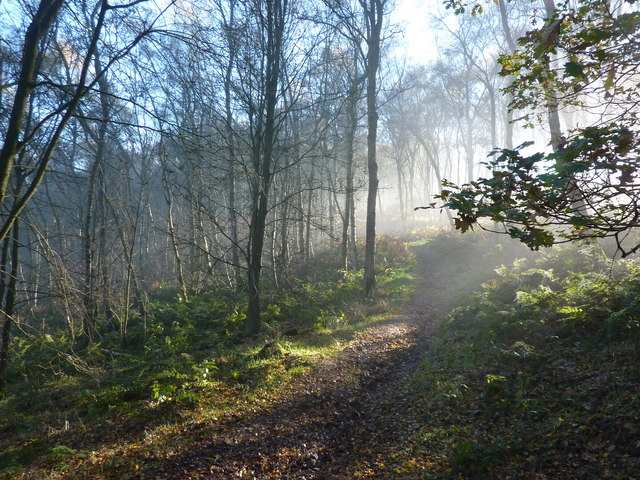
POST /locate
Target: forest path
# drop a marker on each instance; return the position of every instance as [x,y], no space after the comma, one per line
[346,411]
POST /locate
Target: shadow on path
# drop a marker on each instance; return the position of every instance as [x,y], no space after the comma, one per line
[330,419]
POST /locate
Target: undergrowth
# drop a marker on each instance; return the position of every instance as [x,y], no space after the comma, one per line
[533,376]
[187,360]
[536,375]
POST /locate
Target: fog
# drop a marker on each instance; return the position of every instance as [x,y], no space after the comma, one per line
[196,145]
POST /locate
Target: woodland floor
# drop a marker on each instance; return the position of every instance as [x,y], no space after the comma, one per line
[337,419]
[387,404]
[348,408]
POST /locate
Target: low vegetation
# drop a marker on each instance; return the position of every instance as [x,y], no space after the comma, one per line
[535,376]
[187,361]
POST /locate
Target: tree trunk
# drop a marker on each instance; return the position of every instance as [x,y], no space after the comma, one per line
[88,248]
[275,21]
[401,190]
[508,128]
[9,304]
[174,244]
[231,144]
[552,100]
[300,211]
[40,25]
[96,185]
[44,17]
[307,235]
[374,12]
[348,238]
[436,170]
[352,125]
[4,345]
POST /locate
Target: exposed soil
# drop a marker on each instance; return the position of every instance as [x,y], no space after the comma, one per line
[342,413]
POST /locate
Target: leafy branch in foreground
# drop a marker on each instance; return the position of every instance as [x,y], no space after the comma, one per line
[586,189]
[583,56]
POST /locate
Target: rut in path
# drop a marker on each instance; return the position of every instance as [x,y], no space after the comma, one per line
[338,413]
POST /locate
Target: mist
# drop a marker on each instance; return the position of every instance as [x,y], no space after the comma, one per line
[329,239]
[169,150]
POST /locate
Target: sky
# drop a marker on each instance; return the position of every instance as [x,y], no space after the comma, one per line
[420,45]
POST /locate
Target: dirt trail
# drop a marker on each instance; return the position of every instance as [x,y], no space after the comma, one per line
[342,412]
